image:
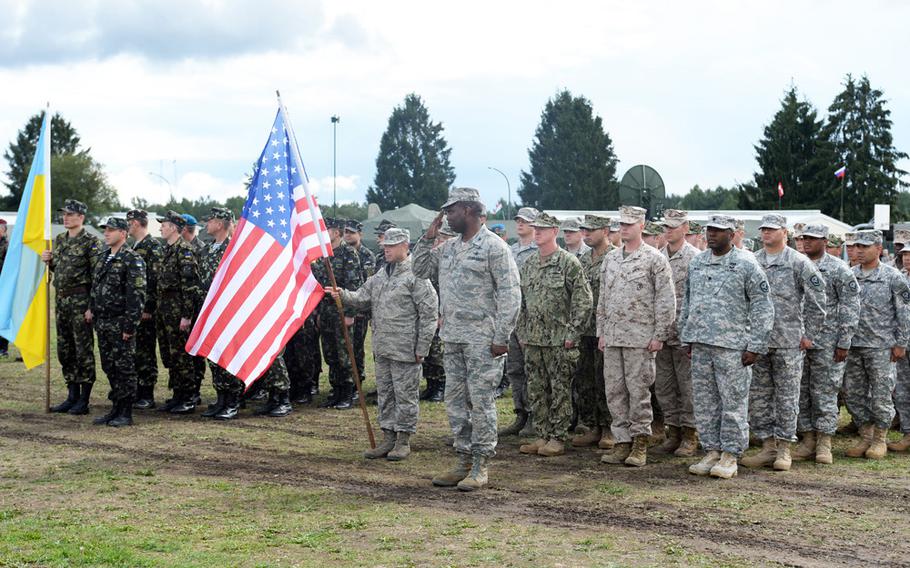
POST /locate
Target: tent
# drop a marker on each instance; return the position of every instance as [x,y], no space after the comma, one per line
[412,217]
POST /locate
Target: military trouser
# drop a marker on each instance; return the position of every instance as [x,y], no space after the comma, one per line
[472,374]
[358,338]
[398,387]
[334,348]
[821,379]
[774,395]
[224,381]
[302,357]
[550,371]
[720,395]
[902,393]
[276,377]
[515,370]
[589,384]
[870,377]
[75,340]
[117,359]
[146,354]
[433,369]
[198,371]
[172,340]
[629,374]
[673,386]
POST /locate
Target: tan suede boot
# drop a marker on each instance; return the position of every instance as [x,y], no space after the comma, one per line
[865,440]
[458,472]
[805,449]
[674,437]
[618,454]
[704,466]
[823,449]
[879,447]
[901,445]
[638,457]
[386,446]
[477,478]
[531,449]
[552,448]
[765,457]
[689,445]
[783,460]
[658,433]
[726,468]
[606,440]
[589,438]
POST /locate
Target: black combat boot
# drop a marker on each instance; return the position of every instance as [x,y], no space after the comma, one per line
[145,398]
[283,406]
[231,407]
[303,395]
[185,404]
[332,400]
[270,404]
[439,392]
[125,416]
[81,406]
[346,398]
[217,407]
[71,398]
[115,410]
[171,402]
[428,392]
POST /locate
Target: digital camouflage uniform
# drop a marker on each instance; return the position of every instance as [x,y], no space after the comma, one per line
[556,305]
[726,311]
[589,378]
[150,250]
[902,384]
[179,293]
[222,380]
[515,360]
[362,320]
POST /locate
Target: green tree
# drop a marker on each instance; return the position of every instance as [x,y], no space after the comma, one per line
[718,199]
[413,162]
[573,165]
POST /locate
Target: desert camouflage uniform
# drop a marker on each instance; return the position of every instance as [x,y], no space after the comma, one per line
[636,305]
[179,293]
[362,320]
[515,360]
[726,310]
[222,380]
[589,377]
[798,293]
[479,301]
[149,249]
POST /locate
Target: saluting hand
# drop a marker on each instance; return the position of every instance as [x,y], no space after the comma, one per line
[434,227]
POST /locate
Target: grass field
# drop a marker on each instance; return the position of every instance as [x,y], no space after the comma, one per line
[294,491]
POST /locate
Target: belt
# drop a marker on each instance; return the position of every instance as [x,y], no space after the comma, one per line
[72,291]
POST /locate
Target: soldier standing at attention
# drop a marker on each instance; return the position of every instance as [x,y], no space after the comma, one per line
[823,367]
[353,235]
[614,236]
[635,311]
[571,234]
[179,292]
[850,245]
[589,378]
[726,318]
[902,384]
[433,370]
[4,245]
[405,309]
[479,301]
[189,235]
[835,246]
[73,262]
[556,305]
[879,342]
[118,298]
[149,250]
[798,293]
[379,231]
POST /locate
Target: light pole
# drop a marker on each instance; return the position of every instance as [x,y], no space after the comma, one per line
[335,120]
[508,188]
[170,186]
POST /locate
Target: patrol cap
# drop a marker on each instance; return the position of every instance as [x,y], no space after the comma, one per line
[384,226]
[630,214]
[901,236]
[740,225]
[190,220]
[869,237]
[773,221]
[614,225]
[220,213]
[173,217]
[74,206]
[652,228]
[694,228]
[396,236]
[137,215]
[333,223]
[545,221]
[445,229]
[462,195]
[835,241]
[816,231]
[849,239]
[797,230]
[594,222]
[724,222]
[114,223]
[527,214]
[749,244]
[353,225]
[572,224]
[674,218]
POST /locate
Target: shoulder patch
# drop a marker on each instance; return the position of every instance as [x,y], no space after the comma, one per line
[853,286]
[905,295]
[815,281]
[764,286]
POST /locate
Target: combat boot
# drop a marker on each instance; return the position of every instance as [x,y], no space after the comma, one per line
[282,406]
[270,404]
[823,449]
[658,433]
[865,440]
[528,430]
[618,454]
[805,449]
[217,407]
[231,407]
[672,441]
[533,447]
[72,396]
[638,457]
[589,438]
[332,400]
[458,472]
[402,447]
[171,402]
[114,411]
[521,418]
[477,478]
[765,457]
[185,403]
[726,468]
[689,445]
[428,392]
[439,392]
[81,406]
[706,464]
[552,448]
[346,398]
[124,417]
[606,440]
[782,460]
[145,398]
[879,447]
[901,445]
[380,451]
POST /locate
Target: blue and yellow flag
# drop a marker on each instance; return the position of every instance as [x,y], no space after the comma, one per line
[23,282]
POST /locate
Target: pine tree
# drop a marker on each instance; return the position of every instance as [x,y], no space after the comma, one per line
[413,162]
[573,165]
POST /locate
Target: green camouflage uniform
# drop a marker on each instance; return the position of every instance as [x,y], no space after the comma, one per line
[179,295]
[199,249]
[362,320]
[222,380]
[433,370]
[589,378]
[303,359]
[4,245]
[150,250]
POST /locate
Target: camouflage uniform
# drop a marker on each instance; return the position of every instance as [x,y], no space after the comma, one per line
[118,297]
[432,368]
[4,245]
[555,306]
[222,380]
[798,293]
[303,359]
[726,310]
[276,378]
[362,320]
[149,249]
[179,293]
[515,361]
[902,383]
[199,363]
[589,378]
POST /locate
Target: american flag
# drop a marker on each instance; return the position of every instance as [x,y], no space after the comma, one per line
[264,290]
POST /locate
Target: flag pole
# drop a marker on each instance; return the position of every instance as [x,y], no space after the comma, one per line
[328,266]
[47,270]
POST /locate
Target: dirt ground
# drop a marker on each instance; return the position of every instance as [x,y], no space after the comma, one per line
[184,491]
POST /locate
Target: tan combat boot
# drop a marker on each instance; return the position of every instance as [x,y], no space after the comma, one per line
[674,437]
[402,448]
[823,449]
[618,454]
[689,445]
[658,433]
[783,460]
[865,440]
[901,445]
[477,478]
[589,438]
[380,451]
[879,447]
[531,449]
[805,449]
[726,467]
[639,454]
[458,472]
[706,464]
[606,440]
[765,457]
[552,448]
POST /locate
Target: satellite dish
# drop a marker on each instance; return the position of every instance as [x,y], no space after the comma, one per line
[643,186]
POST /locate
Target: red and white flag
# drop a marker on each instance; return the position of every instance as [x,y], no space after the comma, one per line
[264,290]
[780,189]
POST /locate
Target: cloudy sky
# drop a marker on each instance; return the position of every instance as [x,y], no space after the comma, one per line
[161,86]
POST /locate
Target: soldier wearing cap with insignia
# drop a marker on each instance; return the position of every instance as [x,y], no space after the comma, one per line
[188,233]
[571,235]
[879,342]
[635,312]
[353,234]
[118,299]
[150,250]
[694,235]
[726,318]
[652,234]
[613,234]
[73,260]
[798,293]
[379,231]
[901,240]
[797,234]
[850,246]
[835,246]
[823,367]
[433,370]
[902,383]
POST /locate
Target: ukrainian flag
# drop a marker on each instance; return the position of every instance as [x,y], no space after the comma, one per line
[23,282]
